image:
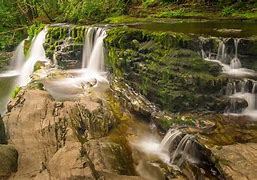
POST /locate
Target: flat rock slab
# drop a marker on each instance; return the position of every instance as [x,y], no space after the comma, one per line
[238,161]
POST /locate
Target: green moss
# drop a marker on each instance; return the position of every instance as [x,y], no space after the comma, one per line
[177,120]
[166,68]
[15,91]
[34,29]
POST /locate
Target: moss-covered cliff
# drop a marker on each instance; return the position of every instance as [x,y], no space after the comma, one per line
[166,68]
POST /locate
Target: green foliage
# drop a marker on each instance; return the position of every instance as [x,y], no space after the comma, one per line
[34,29]
[15,91]
[149,3]
[227,11]
[87,10]
[175,13]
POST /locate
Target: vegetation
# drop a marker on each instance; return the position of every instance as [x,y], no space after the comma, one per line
[17,15]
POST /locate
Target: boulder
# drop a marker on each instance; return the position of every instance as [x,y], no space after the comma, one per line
[8,161]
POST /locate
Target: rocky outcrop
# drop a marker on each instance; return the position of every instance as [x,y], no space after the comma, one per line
[238,161]
[64,45]
[48,134]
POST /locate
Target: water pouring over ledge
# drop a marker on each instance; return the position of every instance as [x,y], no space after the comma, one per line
[36,53]
[242,89]
[91,73]
[177,148]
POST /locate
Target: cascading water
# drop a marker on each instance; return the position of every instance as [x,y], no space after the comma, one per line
[93,50]
[178,147]
[235,62]
[36,53]
[17,62]
[90,75]
[9,77]
[18,58]
[237,90]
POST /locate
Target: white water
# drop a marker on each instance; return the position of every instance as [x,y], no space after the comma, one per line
[174,148]
[93,50]
[91,75]
[17,62]
[234,69]
[36,53]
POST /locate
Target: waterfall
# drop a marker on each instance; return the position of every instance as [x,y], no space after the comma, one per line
[240,91]
[91,74]
[179,145]
[17,62]
[222,54]
[36,53]
[93,50]
[169,138]
[18,57]
[235,62]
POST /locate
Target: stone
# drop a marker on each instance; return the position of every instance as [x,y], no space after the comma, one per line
[2,132]
[238,161]
[8,161]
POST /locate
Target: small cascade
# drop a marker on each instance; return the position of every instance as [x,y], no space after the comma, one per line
[183,147]
[36,53]
[17,62]
[178,145]
[242,92]
[222,53]
[235,62]
[18,57]
[169,138]
[91,74]
[93,50]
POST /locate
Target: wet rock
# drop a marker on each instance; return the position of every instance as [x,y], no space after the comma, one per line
[236,105]
[149,171]
[91,124]
[2,132]
[238,161]
[132,100]
[68,163]
[8,161]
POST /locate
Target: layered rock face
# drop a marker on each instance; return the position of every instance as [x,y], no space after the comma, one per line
[165,68]
[64,45]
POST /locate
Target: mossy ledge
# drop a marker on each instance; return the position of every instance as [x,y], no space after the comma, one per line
[166,68]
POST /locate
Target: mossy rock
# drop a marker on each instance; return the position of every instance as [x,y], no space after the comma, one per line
[8,160]
[166,69]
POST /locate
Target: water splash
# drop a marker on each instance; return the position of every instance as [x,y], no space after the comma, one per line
[36,53]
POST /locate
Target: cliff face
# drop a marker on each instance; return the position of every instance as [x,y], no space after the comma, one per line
[167,69]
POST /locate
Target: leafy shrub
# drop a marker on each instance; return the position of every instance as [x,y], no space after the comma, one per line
[227,11]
